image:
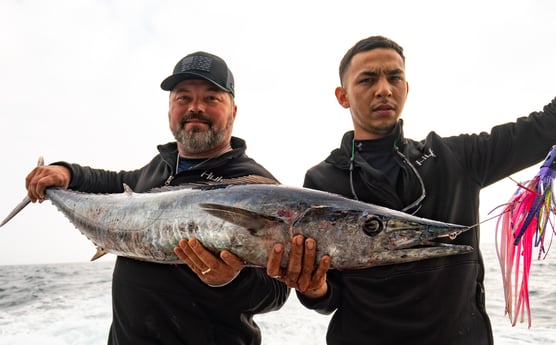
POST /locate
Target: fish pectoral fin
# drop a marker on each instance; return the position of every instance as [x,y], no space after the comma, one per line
[250,220]
[100,252]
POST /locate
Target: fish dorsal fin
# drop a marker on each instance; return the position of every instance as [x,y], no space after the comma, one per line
[127,189]
[248,179]
[249,220]
[242,180]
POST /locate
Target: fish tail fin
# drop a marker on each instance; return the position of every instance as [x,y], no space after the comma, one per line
[16,210]
[24,202]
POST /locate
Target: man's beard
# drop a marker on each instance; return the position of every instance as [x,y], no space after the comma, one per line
[200,141]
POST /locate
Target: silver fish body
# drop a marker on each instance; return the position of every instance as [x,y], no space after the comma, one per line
[248,219]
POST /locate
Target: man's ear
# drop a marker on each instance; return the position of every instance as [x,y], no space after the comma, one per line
[341,96]
[234,111]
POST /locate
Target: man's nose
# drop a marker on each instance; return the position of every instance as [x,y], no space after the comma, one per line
[196,106]
[383,88]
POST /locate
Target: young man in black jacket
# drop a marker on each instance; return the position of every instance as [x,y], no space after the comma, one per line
[436,301]
[211,299]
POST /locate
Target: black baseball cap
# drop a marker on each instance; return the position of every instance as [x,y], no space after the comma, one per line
[201,65]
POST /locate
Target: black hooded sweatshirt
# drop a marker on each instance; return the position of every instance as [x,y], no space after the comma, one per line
[434,301]
[168,304]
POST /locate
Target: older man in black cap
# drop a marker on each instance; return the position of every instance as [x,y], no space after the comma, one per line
[212,299]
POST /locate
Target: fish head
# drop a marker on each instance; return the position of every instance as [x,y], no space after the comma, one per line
[359,238]
[396,237]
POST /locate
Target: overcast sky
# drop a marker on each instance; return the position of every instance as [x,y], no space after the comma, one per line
[80,82]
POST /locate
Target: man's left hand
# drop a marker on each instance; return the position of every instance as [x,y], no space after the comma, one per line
[214,271]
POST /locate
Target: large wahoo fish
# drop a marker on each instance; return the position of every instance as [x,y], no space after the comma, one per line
[248,219]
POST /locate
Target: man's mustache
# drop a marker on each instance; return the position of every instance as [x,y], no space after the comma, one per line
[195,116]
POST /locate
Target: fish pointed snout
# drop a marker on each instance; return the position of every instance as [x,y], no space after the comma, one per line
[412,241]
[407,234]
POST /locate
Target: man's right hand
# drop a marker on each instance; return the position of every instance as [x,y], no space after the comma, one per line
[43,177]
[300,272]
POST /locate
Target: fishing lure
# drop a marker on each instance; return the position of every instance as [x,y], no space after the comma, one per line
[527,222]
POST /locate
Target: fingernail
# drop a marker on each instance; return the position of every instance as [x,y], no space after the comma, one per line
[298,240]
[278,249]
[192,243]
[310,244]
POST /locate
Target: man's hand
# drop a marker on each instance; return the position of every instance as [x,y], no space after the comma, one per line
[214,271]
[300,273]
[43,177]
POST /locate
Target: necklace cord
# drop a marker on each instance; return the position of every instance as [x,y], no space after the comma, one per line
[351,170]
[416,205]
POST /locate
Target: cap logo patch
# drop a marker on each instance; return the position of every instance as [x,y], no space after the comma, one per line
[199,63]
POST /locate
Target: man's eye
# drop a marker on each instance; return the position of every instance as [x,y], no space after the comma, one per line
[396,78]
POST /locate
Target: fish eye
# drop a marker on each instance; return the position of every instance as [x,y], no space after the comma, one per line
[372,226]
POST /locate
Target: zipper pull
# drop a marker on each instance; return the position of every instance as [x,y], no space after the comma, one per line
[169,180]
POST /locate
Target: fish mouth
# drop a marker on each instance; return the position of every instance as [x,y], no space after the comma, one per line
[419,241]
[424,251]
[401,239]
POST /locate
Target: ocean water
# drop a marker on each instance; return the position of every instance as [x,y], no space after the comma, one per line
[71,304]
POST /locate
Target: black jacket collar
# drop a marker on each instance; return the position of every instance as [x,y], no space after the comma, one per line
[341,157]
[371,184]
[169,151]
